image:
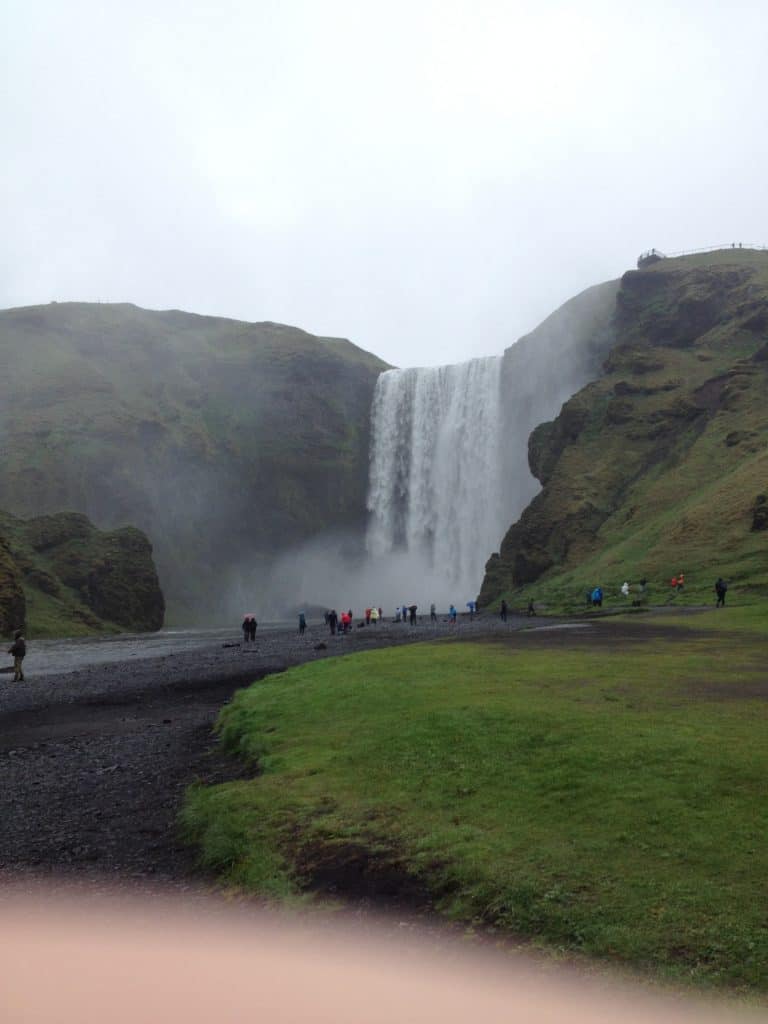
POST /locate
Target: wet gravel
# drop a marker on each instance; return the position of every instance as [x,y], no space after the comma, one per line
[94,761]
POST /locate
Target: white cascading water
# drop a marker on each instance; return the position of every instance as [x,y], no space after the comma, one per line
[436,490]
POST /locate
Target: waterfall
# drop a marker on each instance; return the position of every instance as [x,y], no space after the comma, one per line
[436,489]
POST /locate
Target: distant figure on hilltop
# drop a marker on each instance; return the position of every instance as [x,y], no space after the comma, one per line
[246,628]
[412,609]
[452,614]
[721,588]
[503,611]
[302,623]
[374,616]
[432,613]
[252,625]
[333,621]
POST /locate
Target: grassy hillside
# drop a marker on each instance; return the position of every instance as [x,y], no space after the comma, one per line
[224,441]
[660,465]
[604,795]
[63,577]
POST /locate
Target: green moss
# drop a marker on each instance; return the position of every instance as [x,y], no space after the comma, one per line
[76,580]
[608,799]
[671,451]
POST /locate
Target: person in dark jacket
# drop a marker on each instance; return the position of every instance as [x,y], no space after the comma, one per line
[721,588]
[504,610]
[18,649]
[333,620]
[252,629]
[246,628]
[302,623]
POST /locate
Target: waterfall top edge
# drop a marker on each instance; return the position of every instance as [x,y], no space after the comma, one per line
[440,366]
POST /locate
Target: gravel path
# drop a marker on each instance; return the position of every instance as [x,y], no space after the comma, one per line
[95,761]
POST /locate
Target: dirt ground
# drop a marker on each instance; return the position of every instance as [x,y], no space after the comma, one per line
[95,761]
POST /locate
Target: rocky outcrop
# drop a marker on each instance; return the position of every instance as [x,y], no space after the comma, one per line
[71,578]
[657,461]
[13,605]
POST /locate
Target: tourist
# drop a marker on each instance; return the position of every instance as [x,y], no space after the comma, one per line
[504,610]
[412,610]
[597,597]
[673,584]
[373,616]
[432,613]
[625,588]
[721,588]
[680,582]
[471,607]
[302,623]
[18,649]
[367,616]
[246,628]
[333,620]
[452,614]
[252,629]
[531,609]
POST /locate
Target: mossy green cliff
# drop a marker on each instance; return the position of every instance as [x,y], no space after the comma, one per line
[60,576]
[226,442]
[661,464]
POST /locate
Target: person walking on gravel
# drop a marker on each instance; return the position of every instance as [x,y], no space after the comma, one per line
[18,649]
[721,588]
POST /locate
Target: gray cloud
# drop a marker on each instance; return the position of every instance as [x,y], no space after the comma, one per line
[429,179]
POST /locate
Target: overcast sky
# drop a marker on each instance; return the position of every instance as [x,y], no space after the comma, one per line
[429,179]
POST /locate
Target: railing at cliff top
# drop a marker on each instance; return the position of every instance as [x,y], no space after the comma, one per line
[658,254]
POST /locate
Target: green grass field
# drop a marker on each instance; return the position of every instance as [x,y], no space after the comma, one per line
[609,798]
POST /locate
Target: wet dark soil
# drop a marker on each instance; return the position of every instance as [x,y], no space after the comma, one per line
[94,762]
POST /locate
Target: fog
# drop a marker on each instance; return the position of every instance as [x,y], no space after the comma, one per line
[427,178]
[335,571]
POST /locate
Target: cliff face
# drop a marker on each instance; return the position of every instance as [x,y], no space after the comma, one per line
[226,442]
[68,578]
[661,463]
[13,605]
[543,369]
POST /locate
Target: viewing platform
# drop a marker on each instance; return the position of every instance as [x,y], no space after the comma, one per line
[651,256]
